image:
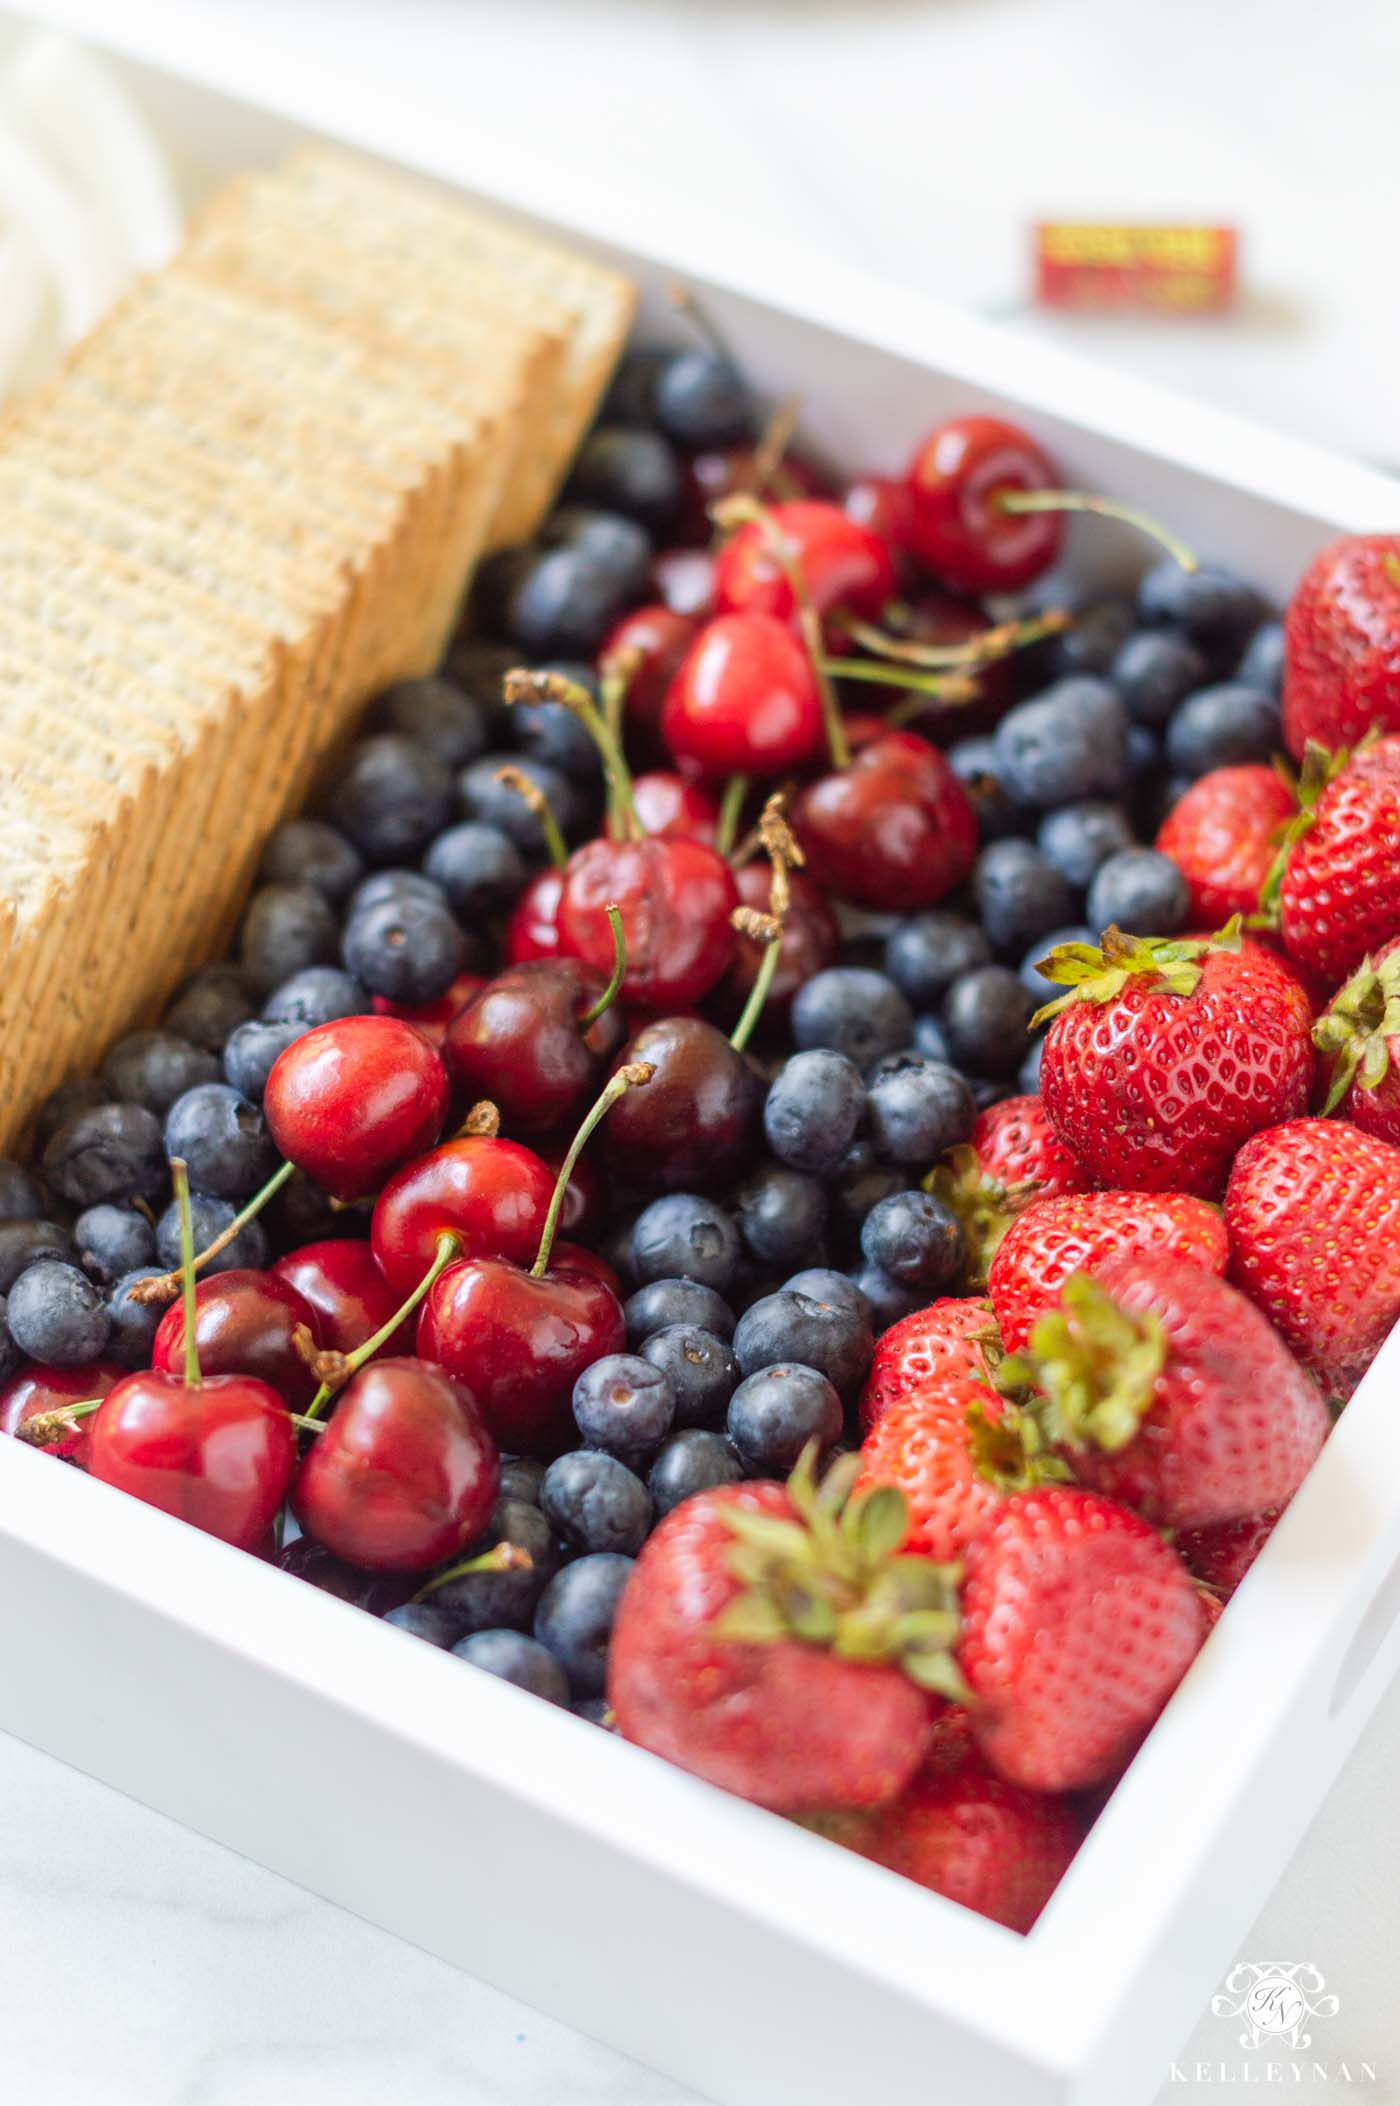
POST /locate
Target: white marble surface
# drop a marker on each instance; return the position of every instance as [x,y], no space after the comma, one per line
[142,1966]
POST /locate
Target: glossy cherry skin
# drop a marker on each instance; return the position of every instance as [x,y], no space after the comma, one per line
[894,831]
[520,1344]
[674,808]
[37,1389]
[745,700]
[520,1042]
[491,1194]
[348,1293]
[218,1454]
[811,940]
[586,1195]
[957,527]
[533,928]
[433,1018]
[884,506]
[243,1325]
[658,638]
[685,580]
[355,1098]
[695,1121]
[405,1473]
[675,898]
[842,564]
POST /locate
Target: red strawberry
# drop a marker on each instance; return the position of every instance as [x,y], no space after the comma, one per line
[1167,1054]
[1079,1234]
[1222,1553]
[772,1640]
[1360,1035]
[954,1449]
[1313,1211]
[1168,1390]
[1014,1157]
[1338,879]
[951,1338]
[1222,835]
[1078,1623]
[1341,671]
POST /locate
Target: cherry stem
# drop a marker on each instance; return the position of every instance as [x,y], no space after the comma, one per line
[774,440]
[632,1076]
[305,1423]
[944,687]
[482,1123]
[535,801]
[730,812]
[448,1247]
[984,649]
[1017,501]
[180,1179]
[784,855]
[166,1285]
[505,1557]
[615,674]
[610,992]
[745,511]
[524,686]
[47,1426]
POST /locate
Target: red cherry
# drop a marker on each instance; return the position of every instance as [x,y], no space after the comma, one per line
[520,1344]
[685,580]
[694,1122]
[218,1453]
[675,809]
[745,701]
[658,638]
[433,1018]
[491,1195]
[405,1473]
[36,1389]
[894,831]
[843,565]
[675,898]
[349,1295]
[523,1044]
[811,939]
[884,506]
[958,528]
[533,928]
[711,476]
[243,1326]
[585,1208]
[355,1098]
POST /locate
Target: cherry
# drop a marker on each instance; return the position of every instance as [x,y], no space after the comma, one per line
[586,1195]
[244,1325]
[685,579]
[894,831]
[842,564]
[348,1294]
[652,641]
[484,1195]
[405,1473]
[746,699]
[36,1390]
[884,506]
[354,1099]
[377,1592]
[695,1121]
[535,1043]
[675,898]
[736,471]
[433,1018]
[673,808]
[533,928]
[810,941]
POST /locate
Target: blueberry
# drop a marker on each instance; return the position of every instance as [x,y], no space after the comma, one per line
[482,1601]
[887,1300]
[132,1335]
[1020,894]
[1223,727]
[521,1478]
[814,1108]
[1210,604]
[931,1039]
[384,885]
[700,1368]
[782,1327]
[57,1315]
[862,1181]
[849,1010]
[436,715]
[1071,742]
[915,1239]
[302,1213]
[317,995]
[391,796]
[625,1404]
[512,1657]
[251,1053]
[623,469]
[563,602]
[404,950]
[821,1284]
[926,953]
[1078,837]
[974,762]
[597,1710]
[552,733]
[1028,1078]
[423,1619]
[24,1243]
[1142,892]
[496,804]
[1033,980]
[155,1067]
[210,1005]
[693,1460]
[22,1197]
[479,667]
[223,1139]
[575,1617]
[211,1216]
[1144,759]
[620,547]
[985,1017]
[11,1358]
[774,1413]
[662,1303]
[781,1214]
[702,402]
[112,1240]
[1092,644]
[596,1502]
[479,868]
[81,1093]
[113,1152]
[311,852]
[920,1107]
[285,929]
[682,1236]
[1154,671]
[631,396]
[1262,664]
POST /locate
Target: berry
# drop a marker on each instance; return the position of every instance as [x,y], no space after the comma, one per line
[491,1196]
[1092,643]
[957,526]
[479,867]
[252,1053]
[849,1010]
[154,1068]
[223,1139]
[930,1349]
[937,1445]
[318,995]
[662,1304]
[617,546]
[212,1003]
[1033,976]
[311,852]
[218,1454]
[1079,837]
[675,898]
[1080,1233]
[56,1315]
[132,1325]
[776,1412]
[1339,895]
[489,802]
[631,471]
[694,1121]
[918,1107]
[434,713]
[701,400]
[348,1294]
[745,699]
[915,1239]
[112,1240]
[1069,743]
[1262,665]
[888,1301]
[1341,662]
[512,1657]
[781,1214]
[625,1405]
[390,797]
[574,1620]
[693,1460]
[247,1252]
[1155,671]
[1222,1552]
[814,1109]
[522,1042]
[974,762]
[1222,727]
[1359,1033]
[820,1284]
[986,1015]
[1014,1159]
[82,1093]
[830,1337]
[1222,835]
[24,1243]
[1020,894]
[421,1620]
[351,1101]
[483,1600]
[113,1152]
[1210,604]
[1139,891]
[285,929]
[245,1324]
[894,831]
[842,564]
[925,954]
[700,1369]
[683,1236]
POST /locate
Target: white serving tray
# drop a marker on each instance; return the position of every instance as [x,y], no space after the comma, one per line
[711,1940]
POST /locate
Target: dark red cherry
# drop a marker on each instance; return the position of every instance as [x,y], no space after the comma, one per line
[218,1453]
[657,638]
[711,476]
[533,928]
[522,1042]
[355,1098]
[811,939]
[35,1390]
[378,1592]
[491,1194]
[934,617]
[745,701]
[959,528]
[894,831]
[675,898]
[842,564]
[433,1018]
[405,1473]
[573,1257]
[675,808]
[585,1207]
[685,580]
[348,1293]
[695,1121]
[243,1326]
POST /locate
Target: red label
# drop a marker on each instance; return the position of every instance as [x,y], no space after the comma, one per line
[1162,269]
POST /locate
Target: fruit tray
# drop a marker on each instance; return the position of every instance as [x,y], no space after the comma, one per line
[730,1949]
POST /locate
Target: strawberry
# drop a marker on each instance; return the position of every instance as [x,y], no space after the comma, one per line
[1166,1389]
[1078,1623]
[1341,668]
[1359,1036]
[1059,1236]
[1221,1553]
[1166,1054]
[1014,1156]
[1221,834]
[954,1449]
[1313,1211]
[952,1337]
[1337,880]
[772,1640]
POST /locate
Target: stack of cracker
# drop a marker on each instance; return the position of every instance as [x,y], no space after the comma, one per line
[253,496]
